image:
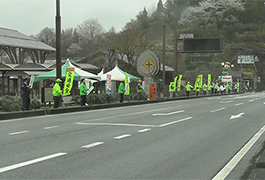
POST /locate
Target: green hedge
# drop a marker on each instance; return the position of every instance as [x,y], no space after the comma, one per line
[12,103]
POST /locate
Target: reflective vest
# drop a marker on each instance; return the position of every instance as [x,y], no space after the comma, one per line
[56,90]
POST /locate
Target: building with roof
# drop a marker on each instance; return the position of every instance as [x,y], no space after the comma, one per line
[18,45]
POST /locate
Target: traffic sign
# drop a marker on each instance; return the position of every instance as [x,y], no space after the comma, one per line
[149,64]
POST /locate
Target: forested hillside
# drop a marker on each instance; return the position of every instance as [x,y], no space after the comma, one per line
[240,24]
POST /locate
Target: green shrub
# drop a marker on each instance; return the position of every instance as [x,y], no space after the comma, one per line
[10,103]
[76,99]
[35,104]
[95,99]
[108,98]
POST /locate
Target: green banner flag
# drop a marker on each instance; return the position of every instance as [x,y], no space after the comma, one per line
[127,85]
[69,78]
[175,83]
[198,82]
[179,83]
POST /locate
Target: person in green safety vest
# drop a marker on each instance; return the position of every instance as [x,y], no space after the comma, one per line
[238,87]
[198,90]
[139,90]
[210,88]
[83,90]
[204,88]
[216,88]
[188,88]
[228,88]
[121,90]
[56,92]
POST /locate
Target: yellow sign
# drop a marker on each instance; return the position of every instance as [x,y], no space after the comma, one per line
[149,64]
[69,78]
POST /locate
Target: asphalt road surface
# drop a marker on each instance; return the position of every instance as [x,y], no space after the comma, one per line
[202,138]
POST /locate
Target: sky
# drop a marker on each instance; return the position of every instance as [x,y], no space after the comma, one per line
[31,16]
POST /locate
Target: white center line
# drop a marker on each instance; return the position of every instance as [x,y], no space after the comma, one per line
[93,145]
[8,168]
[233,162]
[122,136]
[218,110]
[51,127]
[16,133]
[174,122]
[167,114]
[144,130]
[239,104]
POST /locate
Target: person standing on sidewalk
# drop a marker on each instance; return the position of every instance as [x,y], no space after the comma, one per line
[139,90]
[83,90]
[25,94]
[57,92]
[188,89]
[204,89]
[121,90]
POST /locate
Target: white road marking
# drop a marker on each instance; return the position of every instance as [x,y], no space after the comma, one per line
[144,130]
[122,136]
[167,114]
[218,110]
[16,133]
[237,116]
[251,100]
[93,145]
[116,124]
[223,102]
[174,122]
[233,162]
[239,104]
[51,127]
[8,168]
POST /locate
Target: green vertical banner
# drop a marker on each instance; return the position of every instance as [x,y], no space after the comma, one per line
[175,83]
[127,85]
[197,82]
[209,79]
[179,83]
[69,78]
[200,82]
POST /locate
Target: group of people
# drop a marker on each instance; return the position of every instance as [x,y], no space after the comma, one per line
[57,93]
[212,88]
[122,90]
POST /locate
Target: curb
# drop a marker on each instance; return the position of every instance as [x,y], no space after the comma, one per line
[51,111]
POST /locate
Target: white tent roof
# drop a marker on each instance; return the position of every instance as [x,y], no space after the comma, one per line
[85,74]
[116,75]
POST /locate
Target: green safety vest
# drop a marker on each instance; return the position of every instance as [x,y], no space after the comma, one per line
[171,87]
[204,88]
[188,87]
[56,90]
[121,89]
[83,89]
[139,87]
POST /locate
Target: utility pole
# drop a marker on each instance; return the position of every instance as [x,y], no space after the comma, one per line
[58,40]
[164,60]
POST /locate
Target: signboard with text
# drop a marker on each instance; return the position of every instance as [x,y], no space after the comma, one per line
[227,79]
[245,59]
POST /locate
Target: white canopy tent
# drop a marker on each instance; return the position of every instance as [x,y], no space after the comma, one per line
[116,75]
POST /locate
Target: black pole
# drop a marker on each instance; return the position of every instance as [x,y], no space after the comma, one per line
[164,60]
[175,56]
[58,40]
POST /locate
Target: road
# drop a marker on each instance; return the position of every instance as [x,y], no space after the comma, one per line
[202,138]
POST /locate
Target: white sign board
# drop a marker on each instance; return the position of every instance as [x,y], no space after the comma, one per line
[245,59]
[227,79]
[182,36]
